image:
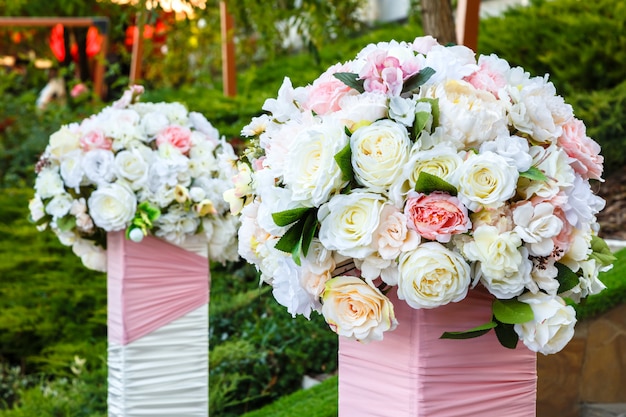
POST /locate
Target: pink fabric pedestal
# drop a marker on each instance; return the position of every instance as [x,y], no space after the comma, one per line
[158,296]
[414,373]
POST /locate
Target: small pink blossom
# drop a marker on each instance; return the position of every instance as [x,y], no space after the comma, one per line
[327,91]
[487,78]
[95,139]
[177,136]
[584,151]
[383,73]
[78,90]
[436,216]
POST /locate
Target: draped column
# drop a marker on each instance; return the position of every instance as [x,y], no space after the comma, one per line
[413,373]
[158,296]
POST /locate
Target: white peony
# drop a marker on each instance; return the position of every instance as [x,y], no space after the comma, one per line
[288,291]
[552,327]
[512,148]
[348,222]
[72,170]
[432,276]
[59,206]
[112,207]
[377,152]
[486,181]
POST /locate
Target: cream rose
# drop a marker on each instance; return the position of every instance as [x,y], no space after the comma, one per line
[112,207]
[431,276]
[377,152]
[62,142]
[311,171]
[485,180]
[553,326]
[348,223]
[354,309]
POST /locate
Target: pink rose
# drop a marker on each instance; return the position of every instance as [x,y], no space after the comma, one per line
[436,216]
[95,139]
[327,91]
[177,136]
[584,150]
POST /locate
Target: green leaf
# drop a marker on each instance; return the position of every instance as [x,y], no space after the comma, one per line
[601,252]
[534,174]
[512,311]
[421,120]
[344,160]
[471,333]
[308,231]
[351,80]
[290,241]
[66,223]
[566,277]
[506,335]
[427,183]
[434,109]
[417,80]
[286,217]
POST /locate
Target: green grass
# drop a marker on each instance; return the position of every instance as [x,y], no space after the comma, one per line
[318,401]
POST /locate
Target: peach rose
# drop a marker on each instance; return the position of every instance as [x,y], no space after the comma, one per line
[327,91]
[177,136]
[436,216]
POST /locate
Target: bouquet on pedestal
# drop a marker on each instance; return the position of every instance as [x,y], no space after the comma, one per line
[422,167]
[146,168]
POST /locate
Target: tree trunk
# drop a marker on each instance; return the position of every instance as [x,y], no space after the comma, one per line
[438,21]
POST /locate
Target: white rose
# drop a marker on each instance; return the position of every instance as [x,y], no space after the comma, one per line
[485,180]
[432,275]
[348,222]
[59,206]
[552,327]
[468,116]
[93,256]
[72,170]
[537,225]
[131,166]
[63,142]
[440,161]
[379,151]
[99,166]
[502,263]
[354,309]
[152,123]
[311,172]
[49,183]
[112,207]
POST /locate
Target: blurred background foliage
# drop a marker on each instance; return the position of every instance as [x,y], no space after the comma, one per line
[53,311]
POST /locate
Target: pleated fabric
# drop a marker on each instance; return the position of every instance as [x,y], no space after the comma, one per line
[158,296]
[414,373]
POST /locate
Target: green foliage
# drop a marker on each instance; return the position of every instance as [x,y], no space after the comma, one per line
[81,394]
[318,401]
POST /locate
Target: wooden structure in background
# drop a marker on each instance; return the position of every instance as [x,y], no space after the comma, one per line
[467,19]
[102,23]
[229,72]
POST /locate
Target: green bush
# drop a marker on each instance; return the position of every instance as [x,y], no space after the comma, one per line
[581,44]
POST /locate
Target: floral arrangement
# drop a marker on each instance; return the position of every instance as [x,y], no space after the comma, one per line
[146,168]
[423,169]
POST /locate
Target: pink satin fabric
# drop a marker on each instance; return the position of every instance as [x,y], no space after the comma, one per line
[150,284]
[413,373]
